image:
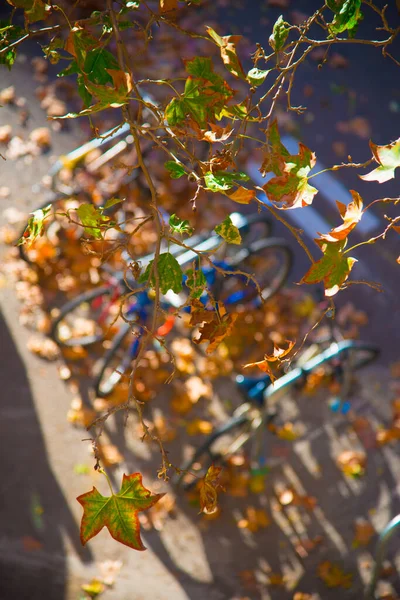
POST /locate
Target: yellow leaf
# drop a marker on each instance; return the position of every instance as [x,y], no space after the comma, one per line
[199,426]
[208,490]
[242,195]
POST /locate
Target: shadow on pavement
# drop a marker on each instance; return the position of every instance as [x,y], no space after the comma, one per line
[34,515]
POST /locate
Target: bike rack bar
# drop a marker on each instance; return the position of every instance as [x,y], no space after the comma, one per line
[384,538]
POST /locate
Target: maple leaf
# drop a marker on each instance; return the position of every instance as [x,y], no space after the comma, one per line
[289,188]
[333,268]
[217,133]
[333,576]
[241,195]
[278,354]
[388,158]
[227,46]
[208,487]
[351,215]
[119,512]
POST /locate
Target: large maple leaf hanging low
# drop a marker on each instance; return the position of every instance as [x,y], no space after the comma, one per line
[119,512]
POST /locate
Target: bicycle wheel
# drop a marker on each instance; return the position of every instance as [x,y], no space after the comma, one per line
[268,261]
[85,320]
[111,368]
[225,441]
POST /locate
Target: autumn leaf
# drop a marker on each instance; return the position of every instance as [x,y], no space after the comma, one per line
[208,487]
[278,354]
[333,576]
[35,226]
[364,532]
[34,10]
[388,158]
[255,519]
[217,133]
[199,427]
[167,5]
[351,215]
[216,331]
[227,46]
[352,463]
[228,231]
[289,188]
[333,269]
[241,195]
[119,512]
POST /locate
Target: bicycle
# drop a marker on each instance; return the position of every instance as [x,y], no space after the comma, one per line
[384,538]
[255,416]
[97,309]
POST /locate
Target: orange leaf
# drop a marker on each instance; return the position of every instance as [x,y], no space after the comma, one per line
[351,215]
[199,426]
[167,5]
[277,355]
[215,328]
[242,195]
[208,490]
[255,519]
[333,576]
[227,46]
[352,463]
[364,531]
[121,80]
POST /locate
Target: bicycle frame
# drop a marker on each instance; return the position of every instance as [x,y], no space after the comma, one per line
[384,538]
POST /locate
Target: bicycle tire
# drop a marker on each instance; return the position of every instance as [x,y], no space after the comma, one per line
[103,387]
[243,262]
[237,425]
[68,308]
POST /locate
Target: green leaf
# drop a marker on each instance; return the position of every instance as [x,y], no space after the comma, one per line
[8,34]
[169,274]
[388,158]
[204,96]
[83,92]
[112,202]
[34,10]
[34,228]
[70,70]
[179,226]
[256,76]
[79,43]
[221,181]
[290,188]
[279,34]
[347,16]
[333,268]
[175,169]
[93,220]
[119,512]
[228,231]
[175,112]
[196,282]
[97,62]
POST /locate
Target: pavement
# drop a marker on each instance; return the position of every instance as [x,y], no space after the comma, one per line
[192,558]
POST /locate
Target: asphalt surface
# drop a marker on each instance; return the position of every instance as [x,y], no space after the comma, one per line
[191,558]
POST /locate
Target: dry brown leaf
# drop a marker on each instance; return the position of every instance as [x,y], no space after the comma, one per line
[167,5]
[242,195]
[276,357]
[352,463]
[333,576]
[255,519]
[208,487]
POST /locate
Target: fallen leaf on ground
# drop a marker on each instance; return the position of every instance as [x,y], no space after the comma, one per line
[199,426]
[255,519]
[352,463]
[31,544]
[333,576]
[94,588]
[364,531]
[45,348]
[109,569]
[80,415]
